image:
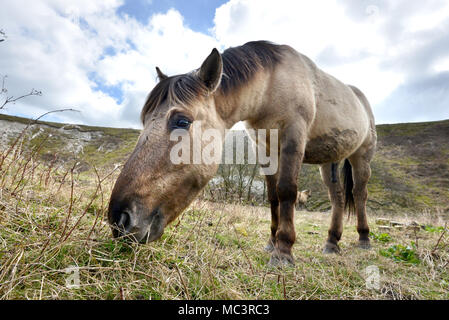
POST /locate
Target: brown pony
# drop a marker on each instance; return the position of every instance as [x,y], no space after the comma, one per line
[319,119]
[301,198]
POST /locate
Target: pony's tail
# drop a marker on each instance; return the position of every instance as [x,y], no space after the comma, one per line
[348,184]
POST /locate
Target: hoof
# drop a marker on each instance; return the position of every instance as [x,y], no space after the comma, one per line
[330,248]
[279,259]
[270,246]
[364,244]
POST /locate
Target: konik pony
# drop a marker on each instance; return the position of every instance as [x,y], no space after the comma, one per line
[319,119]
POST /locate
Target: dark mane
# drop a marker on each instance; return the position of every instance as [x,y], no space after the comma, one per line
[240,64]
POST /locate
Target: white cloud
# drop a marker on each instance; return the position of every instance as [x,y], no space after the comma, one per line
[47,49]
[309,26]
[60,49]
[428,18]
[378,52]
[441,65]
[72,50]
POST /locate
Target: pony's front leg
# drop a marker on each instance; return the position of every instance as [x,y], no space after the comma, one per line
[292,151]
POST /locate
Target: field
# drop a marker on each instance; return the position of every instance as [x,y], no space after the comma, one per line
[56,244]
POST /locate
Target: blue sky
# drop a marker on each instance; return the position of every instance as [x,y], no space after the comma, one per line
[99,56]
[198,14]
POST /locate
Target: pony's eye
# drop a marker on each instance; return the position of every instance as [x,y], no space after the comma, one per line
[183,123]
[180,122]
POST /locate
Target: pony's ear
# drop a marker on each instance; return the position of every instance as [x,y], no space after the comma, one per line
[211,70]
[160,74]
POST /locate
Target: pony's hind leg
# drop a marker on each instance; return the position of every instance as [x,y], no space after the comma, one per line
[335,190]
[274,203]
[361,172]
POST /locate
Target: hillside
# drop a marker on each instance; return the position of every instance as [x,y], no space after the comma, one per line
[410,169]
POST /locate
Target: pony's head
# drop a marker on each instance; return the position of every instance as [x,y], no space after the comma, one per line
[152,189]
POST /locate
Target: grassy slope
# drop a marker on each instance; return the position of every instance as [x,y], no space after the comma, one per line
[52,218]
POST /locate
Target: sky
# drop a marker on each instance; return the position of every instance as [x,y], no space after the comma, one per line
[99,57]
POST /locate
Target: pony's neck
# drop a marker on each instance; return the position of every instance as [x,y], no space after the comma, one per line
[243,102]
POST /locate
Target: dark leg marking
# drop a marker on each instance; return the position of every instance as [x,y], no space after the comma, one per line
[334,167]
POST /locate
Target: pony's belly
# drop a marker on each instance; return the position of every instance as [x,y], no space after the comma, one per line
[331,147]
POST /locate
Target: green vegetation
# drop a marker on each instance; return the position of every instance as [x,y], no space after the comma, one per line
[400,252]
[382,237]
[434,229]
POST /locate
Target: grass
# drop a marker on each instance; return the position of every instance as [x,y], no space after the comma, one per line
[52,218]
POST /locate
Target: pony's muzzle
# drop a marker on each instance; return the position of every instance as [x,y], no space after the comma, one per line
[136,224]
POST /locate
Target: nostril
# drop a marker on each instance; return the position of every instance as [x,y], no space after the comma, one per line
[124,221]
